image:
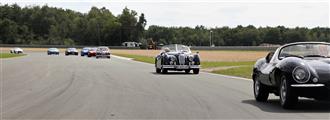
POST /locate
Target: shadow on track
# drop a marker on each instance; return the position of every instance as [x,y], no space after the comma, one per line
[173,73]
[303,106]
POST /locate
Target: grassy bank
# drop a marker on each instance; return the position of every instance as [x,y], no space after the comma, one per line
[9,55]
[140,58]
[237,68]
[242,71]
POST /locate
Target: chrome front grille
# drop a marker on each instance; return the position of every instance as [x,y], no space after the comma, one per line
[182,59]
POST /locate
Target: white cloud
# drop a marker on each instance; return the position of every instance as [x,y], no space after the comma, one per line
[210,13]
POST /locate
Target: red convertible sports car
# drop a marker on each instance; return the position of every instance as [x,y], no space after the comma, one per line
[92,52]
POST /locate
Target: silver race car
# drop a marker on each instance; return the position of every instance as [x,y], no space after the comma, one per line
[103,52]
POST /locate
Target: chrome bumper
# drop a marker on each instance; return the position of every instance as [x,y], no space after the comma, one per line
[181,66]
[307,85]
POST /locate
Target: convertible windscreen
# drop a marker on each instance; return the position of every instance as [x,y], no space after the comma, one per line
[306,50]
[177,48]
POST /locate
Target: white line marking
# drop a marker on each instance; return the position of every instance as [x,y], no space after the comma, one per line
[124,58]
[228,76]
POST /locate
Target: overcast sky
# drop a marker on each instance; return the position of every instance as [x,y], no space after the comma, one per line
[210,13]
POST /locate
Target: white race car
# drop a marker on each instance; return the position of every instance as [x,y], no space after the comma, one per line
[16,51]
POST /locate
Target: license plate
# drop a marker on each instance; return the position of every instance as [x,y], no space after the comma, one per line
[182,67]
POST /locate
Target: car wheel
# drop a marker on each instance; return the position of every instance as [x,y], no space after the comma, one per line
[195,71]
[158,70]
[187,71]
[260,91]
[288,98]
[164,71]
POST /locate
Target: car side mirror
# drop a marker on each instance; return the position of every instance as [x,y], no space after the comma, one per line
[269,57]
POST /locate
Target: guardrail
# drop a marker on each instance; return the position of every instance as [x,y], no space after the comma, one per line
[61,46]
[261,48]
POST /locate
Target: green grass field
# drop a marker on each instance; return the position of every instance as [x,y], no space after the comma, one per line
[240,68]
[138,58]
[242,71]
[10,55]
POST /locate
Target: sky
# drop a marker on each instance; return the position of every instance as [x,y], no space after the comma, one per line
[210,13]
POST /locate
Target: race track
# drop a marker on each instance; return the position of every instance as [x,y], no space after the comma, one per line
[38,86]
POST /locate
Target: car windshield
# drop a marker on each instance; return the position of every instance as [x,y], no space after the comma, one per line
[86,48]
[93,49]
[102,49]
[72,49]
[306,50]
[52,49]
[176,48]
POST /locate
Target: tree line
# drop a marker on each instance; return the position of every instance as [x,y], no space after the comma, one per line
[238,36]
[56,26]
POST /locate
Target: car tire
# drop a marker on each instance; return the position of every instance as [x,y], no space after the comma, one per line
[261,91]
[196,71]
[187,71]
[97,57]
[164,71]
[288,97]
[158,70]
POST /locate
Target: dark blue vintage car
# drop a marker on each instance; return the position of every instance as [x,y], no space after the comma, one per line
[178,58]
[84,51]
[294,70]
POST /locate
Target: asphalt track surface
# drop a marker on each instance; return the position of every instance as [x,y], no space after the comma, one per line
[38,86]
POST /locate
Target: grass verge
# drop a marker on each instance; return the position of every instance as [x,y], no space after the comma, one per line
[240,69]
[212,64]
[9,55]
[140,58]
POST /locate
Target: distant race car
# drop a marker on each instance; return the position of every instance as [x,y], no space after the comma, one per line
[103,52]
[71,51]
[16,50]
[294,70]
[177,57]
[84,51]
[92,52]
[53,51]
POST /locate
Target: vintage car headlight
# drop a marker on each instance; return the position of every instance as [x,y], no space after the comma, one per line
[190,58]
[301,74]
[172,58]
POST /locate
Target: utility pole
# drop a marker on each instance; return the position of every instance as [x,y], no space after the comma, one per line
[98,33]
[211,38]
